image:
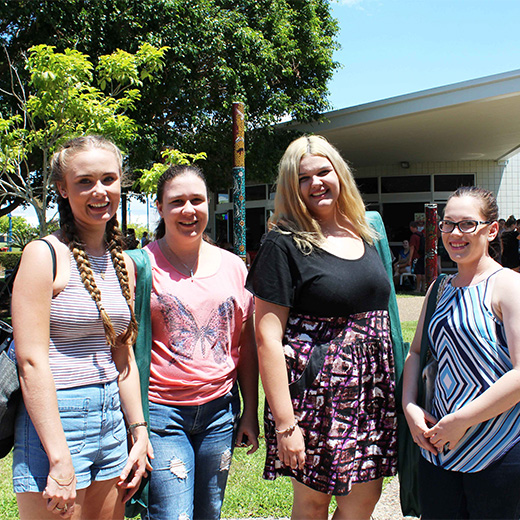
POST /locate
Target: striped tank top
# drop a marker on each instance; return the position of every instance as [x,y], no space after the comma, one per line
[79,353]
[469,343]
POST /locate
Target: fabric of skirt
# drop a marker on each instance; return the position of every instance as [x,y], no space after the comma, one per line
[346,406]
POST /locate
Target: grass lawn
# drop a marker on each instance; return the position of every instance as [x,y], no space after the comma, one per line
[247,494]
[8,507]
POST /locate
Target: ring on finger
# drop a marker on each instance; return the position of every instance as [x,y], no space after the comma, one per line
[62,509]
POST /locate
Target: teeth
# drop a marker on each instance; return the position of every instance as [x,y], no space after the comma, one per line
[100,205]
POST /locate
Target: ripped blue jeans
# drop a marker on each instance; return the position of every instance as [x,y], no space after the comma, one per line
[193,446]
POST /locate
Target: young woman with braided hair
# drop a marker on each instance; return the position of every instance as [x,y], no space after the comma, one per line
[74,328]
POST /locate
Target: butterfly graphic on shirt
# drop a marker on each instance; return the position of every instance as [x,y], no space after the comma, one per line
[185,334]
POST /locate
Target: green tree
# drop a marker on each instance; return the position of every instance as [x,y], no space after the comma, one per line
[21,231]
[274,55]
[18,225]
[67,95]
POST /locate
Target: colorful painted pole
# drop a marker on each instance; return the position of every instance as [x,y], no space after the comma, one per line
[239,182]
[430,231]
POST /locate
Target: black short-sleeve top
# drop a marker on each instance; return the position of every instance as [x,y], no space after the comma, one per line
[319,283]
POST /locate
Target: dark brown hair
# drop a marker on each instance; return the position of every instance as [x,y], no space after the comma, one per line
[488,202]
[171,173]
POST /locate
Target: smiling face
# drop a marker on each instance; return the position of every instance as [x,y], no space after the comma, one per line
[92,185]
[467,247]
[184,207]
[319,186]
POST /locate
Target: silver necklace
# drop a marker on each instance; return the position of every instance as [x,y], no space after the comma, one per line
[187,267]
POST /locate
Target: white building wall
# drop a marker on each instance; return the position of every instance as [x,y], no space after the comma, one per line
[502,178]
[508,189]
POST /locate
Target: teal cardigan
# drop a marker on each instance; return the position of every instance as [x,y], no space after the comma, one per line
[143,343]
[143,353]
[406,449]
[399,347]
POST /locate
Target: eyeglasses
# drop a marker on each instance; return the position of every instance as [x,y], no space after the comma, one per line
[465,226]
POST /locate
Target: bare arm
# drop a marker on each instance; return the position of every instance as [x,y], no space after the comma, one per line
[270,321]
[410,257]
[505,392]
[130,394]
[248,428]
[31,319]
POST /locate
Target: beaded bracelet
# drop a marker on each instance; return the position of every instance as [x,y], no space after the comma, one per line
[287,430]
[136,425]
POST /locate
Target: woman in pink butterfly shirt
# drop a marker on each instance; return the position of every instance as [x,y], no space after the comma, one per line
[203,341]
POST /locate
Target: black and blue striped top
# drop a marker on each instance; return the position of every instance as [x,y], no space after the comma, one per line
[470,345]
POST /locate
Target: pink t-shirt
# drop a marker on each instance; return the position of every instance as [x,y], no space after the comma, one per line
[196,325]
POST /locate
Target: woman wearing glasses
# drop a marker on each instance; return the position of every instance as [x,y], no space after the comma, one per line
[470,464]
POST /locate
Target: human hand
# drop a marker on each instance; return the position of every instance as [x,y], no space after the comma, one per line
[291,448]
[137,466]
[248,431]
[447,433]
[59,492]
[419,421]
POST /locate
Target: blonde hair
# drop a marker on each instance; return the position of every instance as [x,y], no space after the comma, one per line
[113,235]
[291,213]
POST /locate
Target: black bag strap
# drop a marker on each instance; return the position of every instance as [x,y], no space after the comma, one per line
[53,254]
[425,342]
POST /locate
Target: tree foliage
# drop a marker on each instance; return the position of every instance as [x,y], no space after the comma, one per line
[21,231]
[274,55]
[61,100]
[149,177]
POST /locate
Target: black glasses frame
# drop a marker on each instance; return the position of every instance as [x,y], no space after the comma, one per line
[452,225]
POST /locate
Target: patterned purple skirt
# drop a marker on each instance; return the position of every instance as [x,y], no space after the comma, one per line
[341,377]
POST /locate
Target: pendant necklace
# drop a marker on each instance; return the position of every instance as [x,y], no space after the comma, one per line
[100,264]
[188,268]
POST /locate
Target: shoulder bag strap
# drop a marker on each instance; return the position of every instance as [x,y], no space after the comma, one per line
[53,254]
[425,342]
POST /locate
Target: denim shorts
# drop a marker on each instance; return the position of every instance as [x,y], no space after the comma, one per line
[96,435]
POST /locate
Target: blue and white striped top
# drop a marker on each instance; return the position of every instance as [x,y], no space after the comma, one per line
[470,345]
[79,353]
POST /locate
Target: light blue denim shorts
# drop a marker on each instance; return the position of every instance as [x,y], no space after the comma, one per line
[95,431]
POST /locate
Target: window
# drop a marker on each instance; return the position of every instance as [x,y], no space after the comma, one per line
[367,185]
[452,182]
[223,198]
[257,192]
[405,184]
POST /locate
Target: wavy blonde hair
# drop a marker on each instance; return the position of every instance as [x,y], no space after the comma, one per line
[291,213]
[113,235]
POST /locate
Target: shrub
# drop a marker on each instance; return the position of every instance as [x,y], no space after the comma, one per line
[9,259]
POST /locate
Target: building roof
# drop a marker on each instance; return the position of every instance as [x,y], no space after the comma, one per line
[472,120]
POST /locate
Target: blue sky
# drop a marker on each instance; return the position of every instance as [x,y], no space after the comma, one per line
[394,47]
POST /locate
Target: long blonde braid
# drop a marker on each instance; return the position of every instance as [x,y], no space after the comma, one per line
[115,245]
